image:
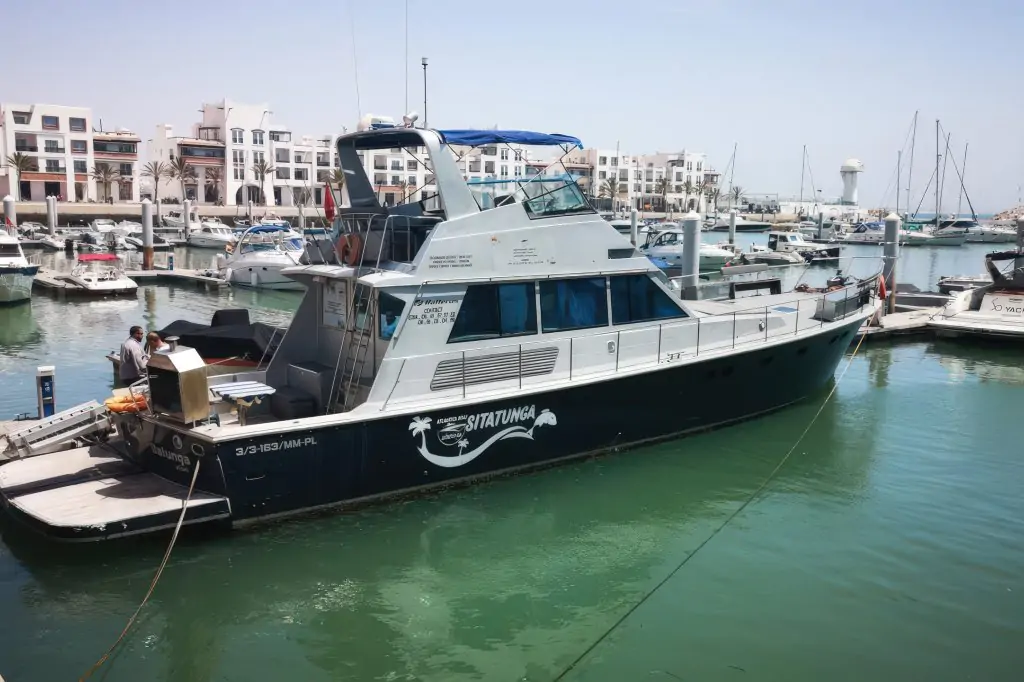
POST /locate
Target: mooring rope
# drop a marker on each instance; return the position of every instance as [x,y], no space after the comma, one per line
[152,584]
[716,531]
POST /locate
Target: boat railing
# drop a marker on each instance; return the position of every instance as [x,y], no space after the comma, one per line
[533,363]
[381,234]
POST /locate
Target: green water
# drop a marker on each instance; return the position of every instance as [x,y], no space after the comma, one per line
[889,547]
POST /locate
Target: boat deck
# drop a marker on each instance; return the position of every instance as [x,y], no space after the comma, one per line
[51,281]
[91,493]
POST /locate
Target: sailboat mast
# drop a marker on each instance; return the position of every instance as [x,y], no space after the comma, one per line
[899,158]
[803,161]
[963,172]
[910,170]
[938,156]
[732,173]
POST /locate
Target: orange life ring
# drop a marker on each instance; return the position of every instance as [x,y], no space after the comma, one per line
[349,248]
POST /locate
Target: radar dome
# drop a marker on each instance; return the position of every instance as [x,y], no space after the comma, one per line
[852,166]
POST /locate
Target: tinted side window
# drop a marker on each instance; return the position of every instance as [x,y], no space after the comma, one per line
[573,304]
[490,311]
[390,310]
[636,298]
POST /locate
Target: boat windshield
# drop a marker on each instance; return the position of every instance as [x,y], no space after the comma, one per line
[9,250]
[540,196]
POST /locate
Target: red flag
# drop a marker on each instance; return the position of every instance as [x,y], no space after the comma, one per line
[329,206]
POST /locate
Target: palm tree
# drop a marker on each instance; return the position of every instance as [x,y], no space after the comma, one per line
[737,194]
[610,189]
[661,187]
[700,189]
[181,170]
[158,171]
[404,186]
[20,163]
[213,179]
[261,169]
[688,188]
[713,194]
[105,176]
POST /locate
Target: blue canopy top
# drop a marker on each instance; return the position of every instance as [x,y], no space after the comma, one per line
[477,138]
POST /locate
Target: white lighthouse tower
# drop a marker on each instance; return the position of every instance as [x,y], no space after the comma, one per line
[849,171]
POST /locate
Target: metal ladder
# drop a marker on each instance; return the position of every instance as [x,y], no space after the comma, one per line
[357,340]
[54,433]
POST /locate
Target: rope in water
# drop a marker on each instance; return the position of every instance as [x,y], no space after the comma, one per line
[152,584]
[716,531]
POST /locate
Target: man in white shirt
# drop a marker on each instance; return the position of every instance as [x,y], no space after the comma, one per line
[133,357]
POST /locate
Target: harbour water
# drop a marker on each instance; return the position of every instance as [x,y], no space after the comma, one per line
[889,546]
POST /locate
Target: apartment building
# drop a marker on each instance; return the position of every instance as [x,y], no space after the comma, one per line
[65,155]
[654,182]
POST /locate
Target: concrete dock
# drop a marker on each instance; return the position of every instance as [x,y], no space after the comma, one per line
[910,323]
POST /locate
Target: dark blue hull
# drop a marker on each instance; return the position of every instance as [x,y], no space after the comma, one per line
[345,464]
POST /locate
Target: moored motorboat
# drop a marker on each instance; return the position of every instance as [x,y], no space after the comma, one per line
[445,344]
[211,236]
[98,274]
[260,255]
[742,225]
[668,246]
[16,273]
[995,310]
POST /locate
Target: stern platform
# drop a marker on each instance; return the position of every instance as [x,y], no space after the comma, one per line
[92,493]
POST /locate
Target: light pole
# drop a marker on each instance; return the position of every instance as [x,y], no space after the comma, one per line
[424,62]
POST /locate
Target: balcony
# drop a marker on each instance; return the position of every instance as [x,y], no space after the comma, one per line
[321,161]
[49,149]
[283,174]
[281,159]
[19,147]
[56,169]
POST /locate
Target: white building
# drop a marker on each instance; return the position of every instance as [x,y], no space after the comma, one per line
[64,152]
[637,179]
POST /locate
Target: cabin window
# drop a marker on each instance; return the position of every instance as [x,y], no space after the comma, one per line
[559,197]
[637,298]
[491,311]
[573,304]
[390,311]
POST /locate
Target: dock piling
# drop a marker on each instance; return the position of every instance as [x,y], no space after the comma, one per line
[186,216]
[890,256]
[147,234]
[732,225]
[302,216]
[632,227]
[10,214]
[821,224]
[691,249]
[51,215]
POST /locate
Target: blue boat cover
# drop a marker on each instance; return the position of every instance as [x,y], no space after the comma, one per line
[477,138]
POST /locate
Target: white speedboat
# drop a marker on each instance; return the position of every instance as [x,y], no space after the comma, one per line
[129,228]
[211,236]
[874,233]
[442,348]
[990,234]
[995,310]
[176,218]
[796,243]
[115,241]
[16,273]
[742,225]
[668,246]
[102,225]
[260,255]
[99,274]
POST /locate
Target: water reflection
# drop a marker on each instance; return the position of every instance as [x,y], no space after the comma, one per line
[18,327]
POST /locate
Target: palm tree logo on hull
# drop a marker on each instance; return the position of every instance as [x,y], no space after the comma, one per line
[420,425]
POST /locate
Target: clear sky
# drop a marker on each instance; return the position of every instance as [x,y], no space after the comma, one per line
[843,78]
